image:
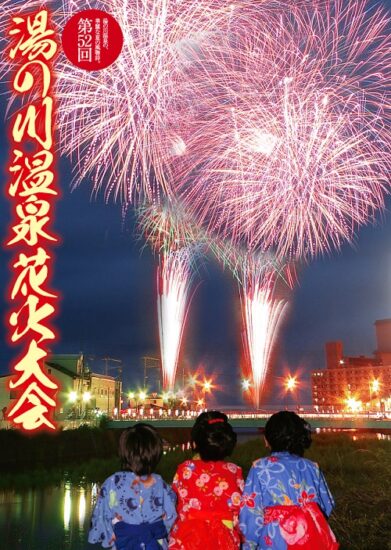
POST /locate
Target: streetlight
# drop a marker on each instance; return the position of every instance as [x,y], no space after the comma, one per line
[86,396]
[72,396]
[206,388]
[200,403]
[80,402]
[353,404]
[131,401]
[290,385]
[142,395]
[374,386]
[246,388]
[246,384]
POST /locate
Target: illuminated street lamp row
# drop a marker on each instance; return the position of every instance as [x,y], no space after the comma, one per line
[206,387]
[73,396]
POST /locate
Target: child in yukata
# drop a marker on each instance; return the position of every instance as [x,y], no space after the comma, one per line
[208,489]
[135,508]
[286,499]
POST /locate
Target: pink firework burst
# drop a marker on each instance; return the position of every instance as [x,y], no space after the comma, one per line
[290,148]
[115,122]
[120,125]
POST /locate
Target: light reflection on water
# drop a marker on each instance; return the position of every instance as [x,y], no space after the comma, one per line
[51,518]
[67,508]
[356,435]
[82,508]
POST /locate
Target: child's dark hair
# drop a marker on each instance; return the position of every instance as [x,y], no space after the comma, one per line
[286,431]
[213,436]
[140,449]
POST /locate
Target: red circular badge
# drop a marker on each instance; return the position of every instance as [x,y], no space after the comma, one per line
[92,39]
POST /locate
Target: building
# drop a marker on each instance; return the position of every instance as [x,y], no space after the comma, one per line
[82,392]
[355,383]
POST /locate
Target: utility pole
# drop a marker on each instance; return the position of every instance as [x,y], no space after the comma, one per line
[112,360]
[118,368]
[151,363]
[183,376]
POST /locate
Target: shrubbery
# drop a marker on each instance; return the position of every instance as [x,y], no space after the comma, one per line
[44,450]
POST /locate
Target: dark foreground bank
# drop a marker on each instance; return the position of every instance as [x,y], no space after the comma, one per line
[358,473]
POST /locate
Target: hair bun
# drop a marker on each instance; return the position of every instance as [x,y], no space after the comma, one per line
[213,436]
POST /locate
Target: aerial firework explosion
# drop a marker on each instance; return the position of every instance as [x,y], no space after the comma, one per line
[290,148]
[270,120]
[114,122]
[166,228]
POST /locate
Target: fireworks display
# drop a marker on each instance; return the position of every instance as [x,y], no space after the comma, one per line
[255,126]
[166,228]
[290,150]
[174,240]
[114,122]
[262,313]
[174,281]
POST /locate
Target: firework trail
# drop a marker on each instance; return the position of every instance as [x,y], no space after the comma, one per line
[290,148]
[174,282]
[174,240]
[262,314]
[168,229]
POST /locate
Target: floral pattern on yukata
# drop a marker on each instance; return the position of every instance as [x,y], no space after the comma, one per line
[280,480]
[124,496]
[209,496]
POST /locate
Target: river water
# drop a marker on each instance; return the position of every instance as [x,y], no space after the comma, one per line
[57,518]
[54,518]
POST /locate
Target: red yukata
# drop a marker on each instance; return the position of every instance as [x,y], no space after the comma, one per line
[209,496]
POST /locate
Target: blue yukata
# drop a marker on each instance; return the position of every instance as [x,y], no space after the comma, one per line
[133,513]
[284,505]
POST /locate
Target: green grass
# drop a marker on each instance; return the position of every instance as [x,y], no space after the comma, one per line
[358,473]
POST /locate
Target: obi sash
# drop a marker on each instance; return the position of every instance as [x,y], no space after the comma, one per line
[131,537]
[201,530]
[302,527]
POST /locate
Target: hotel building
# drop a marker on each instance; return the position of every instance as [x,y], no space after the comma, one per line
[355,383]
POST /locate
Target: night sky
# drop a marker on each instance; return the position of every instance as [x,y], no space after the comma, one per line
[108,297]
